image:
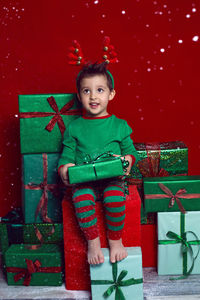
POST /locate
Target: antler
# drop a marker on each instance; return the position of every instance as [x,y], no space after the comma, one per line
[109,54]
[75,54]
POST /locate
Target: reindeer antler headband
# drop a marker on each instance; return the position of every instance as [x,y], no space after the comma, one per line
[76,57]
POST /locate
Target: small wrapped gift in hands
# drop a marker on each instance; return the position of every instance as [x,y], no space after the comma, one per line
[103,166]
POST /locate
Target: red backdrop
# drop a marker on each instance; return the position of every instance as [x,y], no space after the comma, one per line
[157,78]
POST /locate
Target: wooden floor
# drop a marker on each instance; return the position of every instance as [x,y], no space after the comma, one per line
[155,288]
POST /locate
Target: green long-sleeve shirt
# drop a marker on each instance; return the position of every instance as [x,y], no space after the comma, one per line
[95,136]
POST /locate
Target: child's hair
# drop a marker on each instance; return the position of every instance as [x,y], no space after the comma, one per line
[91,70]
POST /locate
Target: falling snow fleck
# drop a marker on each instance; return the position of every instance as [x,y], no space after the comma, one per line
[162,50]
[194,9]
[148,69]
[103,16]
[188,16]
[180,41]
[195,38]
[96,2]
[123,12]
[16,116]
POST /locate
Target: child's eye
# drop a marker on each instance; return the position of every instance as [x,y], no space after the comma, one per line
[86,91]
[100,90]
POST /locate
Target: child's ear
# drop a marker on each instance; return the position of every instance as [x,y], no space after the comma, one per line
[78,96]
[112,94]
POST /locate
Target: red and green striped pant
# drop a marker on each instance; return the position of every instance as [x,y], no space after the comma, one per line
[113,198]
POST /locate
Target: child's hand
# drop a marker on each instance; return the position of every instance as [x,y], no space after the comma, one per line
[64,173]
[129,159]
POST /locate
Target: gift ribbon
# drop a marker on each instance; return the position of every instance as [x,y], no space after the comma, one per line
[150,166]
[32,267]
[181,193]
[43,203]
[185,246]
[57,118]
[104,156]
[117,283]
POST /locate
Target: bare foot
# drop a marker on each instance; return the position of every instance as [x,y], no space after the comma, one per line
[117,250]
[95,255]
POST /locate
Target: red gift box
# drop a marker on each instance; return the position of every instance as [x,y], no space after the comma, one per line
[77,275]
[149,245]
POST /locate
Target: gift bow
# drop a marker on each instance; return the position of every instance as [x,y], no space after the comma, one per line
[32,267]
[117,283]
[65,110]
[185,247]
[179,194]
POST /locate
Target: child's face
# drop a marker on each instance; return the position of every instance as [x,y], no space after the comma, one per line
[95,95]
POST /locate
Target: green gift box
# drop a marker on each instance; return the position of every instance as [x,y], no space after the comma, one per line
[42,191]
[14,231]
[40,267]
[173,193]
[178,243]
[96,170]
[4,242]
[147,218]
[50,233]
[160,159]
[43,119]
[11,229]
[120,280]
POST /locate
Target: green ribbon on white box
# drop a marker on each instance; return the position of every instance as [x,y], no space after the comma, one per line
[186,246]
[117,283]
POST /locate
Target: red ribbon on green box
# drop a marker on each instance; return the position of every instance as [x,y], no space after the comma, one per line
[57,118]
[43,203]
[32,267]
[150,166]
[181,193]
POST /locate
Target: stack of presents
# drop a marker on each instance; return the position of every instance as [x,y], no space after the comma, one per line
[42,244]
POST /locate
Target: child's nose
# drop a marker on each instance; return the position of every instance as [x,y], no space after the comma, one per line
[92,95]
